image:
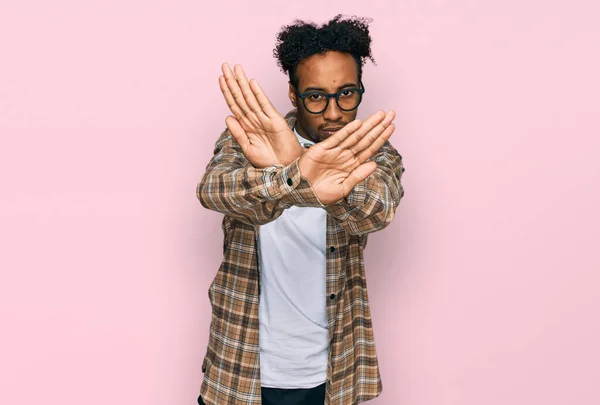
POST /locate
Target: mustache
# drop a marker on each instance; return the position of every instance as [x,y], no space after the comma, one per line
[332,127]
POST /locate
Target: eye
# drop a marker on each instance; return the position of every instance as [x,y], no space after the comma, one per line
[315,97]
[346,93]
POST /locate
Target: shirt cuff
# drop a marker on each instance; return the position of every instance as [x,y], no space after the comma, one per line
[295,189]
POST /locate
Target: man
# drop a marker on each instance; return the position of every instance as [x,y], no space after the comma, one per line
[291,322]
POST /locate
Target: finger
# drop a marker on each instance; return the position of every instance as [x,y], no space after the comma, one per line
[364,129]
[357,175]
[337,138]
[235,89]
[263,101]
[373,134]
[246,90]
[238,132]
[231,103]
[377,144]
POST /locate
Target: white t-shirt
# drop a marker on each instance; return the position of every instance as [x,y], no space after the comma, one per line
[293,336]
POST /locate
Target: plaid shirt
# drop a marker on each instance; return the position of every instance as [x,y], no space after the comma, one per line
[250,197]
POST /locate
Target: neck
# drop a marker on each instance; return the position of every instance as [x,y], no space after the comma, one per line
[303,133]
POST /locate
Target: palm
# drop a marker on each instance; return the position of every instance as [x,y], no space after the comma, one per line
[335,167]
[263,134]
[259,138]
[331,187]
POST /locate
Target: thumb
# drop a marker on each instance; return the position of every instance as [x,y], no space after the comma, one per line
[357,175]
[238,132]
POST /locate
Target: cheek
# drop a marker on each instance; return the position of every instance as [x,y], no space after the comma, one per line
[310,121]
[314,121]
[350,116]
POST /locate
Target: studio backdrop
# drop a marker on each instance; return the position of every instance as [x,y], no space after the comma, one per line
[483,290]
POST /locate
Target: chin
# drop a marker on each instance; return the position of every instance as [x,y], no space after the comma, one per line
[324,135]
[315,137]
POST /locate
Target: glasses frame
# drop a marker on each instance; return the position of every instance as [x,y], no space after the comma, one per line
[328,96]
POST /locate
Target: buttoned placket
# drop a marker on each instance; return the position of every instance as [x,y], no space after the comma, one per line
[334,276]
[335,281]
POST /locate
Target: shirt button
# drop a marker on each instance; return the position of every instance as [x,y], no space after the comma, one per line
[332,249]
[290,182]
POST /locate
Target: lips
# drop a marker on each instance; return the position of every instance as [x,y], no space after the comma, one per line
[327,132]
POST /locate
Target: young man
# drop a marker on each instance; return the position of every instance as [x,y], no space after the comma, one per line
[290,315]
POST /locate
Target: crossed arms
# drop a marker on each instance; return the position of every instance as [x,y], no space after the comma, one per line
[355,175]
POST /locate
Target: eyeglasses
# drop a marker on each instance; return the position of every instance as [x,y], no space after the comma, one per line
[347,99]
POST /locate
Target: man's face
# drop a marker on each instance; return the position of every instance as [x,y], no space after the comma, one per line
[329,73]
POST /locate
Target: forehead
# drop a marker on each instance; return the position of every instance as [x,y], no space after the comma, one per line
[328,71]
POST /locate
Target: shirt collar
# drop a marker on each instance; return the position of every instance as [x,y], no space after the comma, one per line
[306,143]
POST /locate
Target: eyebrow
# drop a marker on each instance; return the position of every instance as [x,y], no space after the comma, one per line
[323,90]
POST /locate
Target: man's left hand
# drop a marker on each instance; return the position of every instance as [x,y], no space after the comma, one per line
[263,134]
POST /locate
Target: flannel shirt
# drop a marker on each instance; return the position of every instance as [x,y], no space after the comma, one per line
[250,197]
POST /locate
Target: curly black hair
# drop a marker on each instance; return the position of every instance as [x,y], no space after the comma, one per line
[301,40]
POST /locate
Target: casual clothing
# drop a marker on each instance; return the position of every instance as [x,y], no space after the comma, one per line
[300,396]
[293,336]
[251,197]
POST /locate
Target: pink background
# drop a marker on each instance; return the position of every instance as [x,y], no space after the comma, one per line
[484,290]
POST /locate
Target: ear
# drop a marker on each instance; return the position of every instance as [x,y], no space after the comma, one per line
[292,94]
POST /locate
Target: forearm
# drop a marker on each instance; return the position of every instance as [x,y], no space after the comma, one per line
[371,205]
[245,193]
[232,186]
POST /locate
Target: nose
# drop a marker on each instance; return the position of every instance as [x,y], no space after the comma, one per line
[332,112]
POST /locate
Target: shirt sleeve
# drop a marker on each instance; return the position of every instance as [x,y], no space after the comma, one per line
[232,186]
[371,204]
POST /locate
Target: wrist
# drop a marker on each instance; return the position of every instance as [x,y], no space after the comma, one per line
[304,167]
[296,153]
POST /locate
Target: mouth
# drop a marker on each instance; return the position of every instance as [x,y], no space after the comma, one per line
[327,132]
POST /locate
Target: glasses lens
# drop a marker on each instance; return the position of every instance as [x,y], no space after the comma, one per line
[315,102]
[348,99]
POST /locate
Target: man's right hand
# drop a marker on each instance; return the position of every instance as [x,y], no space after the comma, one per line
[334,166]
